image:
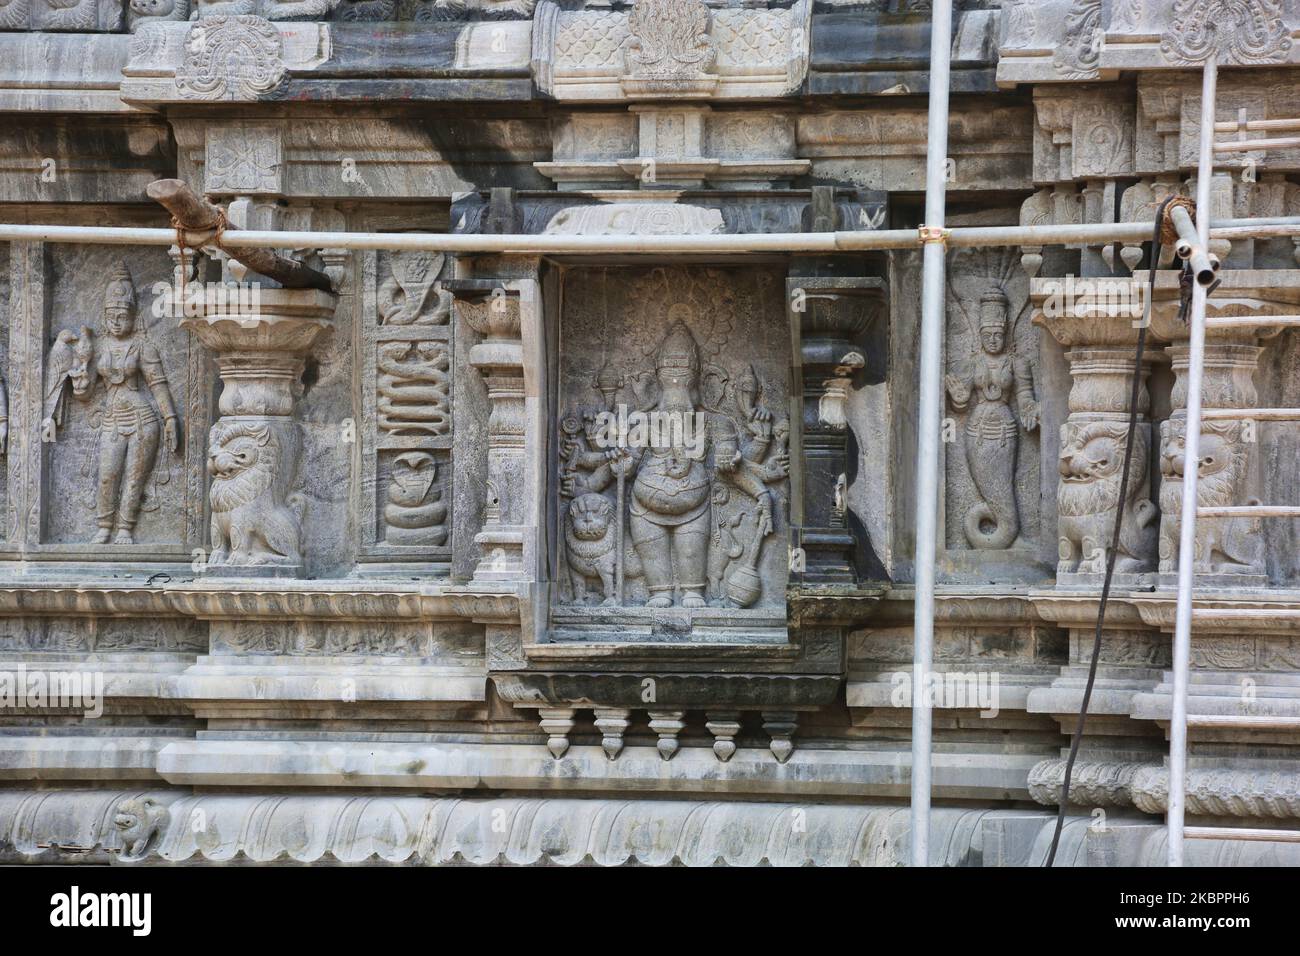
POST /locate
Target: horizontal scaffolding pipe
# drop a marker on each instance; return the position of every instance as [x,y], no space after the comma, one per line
[1250,511]
[1249,321]
[1251,145]
[1246,613]
[1259,414]
[798,242]
[1249,834]
[1243,722]
[1256,126]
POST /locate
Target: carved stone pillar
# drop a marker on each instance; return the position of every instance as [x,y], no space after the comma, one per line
[255,445]
[1093,436]
[493,310]
[1229,551]
[833,314]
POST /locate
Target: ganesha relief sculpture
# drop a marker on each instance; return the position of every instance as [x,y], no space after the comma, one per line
[130,424]
[678,488]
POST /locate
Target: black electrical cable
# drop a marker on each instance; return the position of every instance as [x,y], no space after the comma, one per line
[1134,394]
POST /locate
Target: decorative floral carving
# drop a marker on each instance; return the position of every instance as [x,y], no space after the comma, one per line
[231,58]
[1079,51]
[1235,31]
[669,38]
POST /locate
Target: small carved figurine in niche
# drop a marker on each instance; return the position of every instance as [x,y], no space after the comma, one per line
[1091,462]
[1223,545]
[693,470]
[415,513]
[997,379]
[412,295]
[413,382]
[129,422]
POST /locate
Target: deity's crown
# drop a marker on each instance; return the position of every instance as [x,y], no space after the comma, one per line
[996,320]
[678,349]
[120,292]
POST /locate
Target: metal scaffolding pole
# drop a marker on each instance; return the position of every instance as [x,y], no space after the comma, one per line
[928,425]
[547,245]
[1191,469]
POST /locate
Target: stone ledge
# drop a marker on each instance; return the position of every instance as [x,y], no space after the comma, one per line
[808,772]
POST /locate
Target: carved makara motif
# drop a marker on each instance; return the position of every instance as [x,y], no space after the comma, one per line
[130,424]
[690,462]
[256,517]
[413,382]
[412,295]
[1091,463]
[414,513]
[1223,545]
[996,385]
[231,58]
[1239,32]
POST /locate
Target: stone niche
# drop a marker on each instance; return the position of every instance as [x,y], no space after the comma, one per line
[671,455]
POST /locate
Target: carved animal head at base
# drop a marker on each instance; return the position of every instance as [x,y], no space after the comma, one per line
[1223,455]
[590,516]
[242,459]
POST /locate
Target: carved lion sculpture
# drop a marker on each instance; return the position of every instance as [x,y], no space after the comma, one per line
[1223,545]
[138,820]
[591,544]
[1091,463]
[254,522]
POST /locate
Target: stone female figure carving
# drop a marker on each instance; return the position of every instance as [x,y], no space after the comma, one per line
[997,378]
[129,422]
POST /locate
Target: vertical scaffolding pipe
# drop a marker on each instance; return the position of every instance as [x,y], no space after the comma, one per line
[1191,469]
[928,424]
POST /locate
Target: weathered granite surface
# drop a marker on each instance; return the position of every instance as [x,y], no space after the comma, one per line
[303,543]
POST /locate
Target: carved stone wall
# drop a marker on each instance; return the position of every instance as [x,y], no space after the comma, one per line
[601,523]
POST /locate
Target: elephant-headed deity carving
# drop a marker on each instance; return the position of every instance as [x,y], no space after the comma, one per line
[996,393]
[1091,465]
[256,513]
[691,461]
[130,424]
[1232,545]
